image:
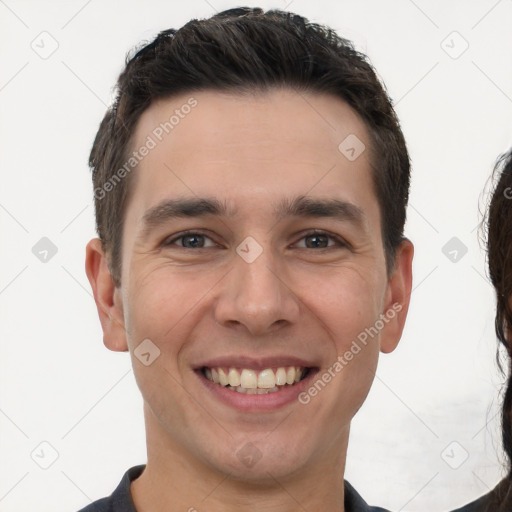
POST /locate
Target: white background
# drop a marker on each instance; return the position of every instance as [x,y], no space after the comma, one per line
[59,384]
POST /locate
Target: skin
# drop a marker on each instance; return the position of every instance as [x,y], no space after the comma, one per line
[251,152]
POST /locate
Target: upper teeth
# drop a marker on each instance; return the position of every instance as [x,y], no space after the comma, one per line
[252,379]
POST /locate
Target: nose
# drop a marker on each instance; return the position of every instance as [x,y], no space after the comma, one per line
[257,296]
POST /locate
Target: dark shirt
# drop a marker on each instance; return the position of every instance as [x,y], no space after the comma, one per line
[121,500]
[498,500]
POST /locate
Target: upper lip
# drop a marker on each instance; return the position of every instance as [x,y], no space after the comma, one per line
[255,363]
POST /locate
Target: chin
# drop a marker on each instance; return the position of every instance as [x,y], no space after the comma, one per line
[261,463]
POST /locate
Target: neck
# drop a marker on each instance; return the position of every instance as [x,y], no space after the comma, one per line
[175,479]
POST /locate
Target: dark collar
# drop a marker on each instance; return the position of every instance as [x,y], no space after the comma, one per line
[121,499]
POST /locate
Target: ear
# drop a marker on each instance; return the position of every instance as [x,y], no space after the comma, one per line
[107,297]
[398,296]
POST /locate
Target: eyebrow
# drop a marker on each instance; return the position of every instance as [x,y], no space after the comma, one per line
[300,206]
[178,208]
[337,209]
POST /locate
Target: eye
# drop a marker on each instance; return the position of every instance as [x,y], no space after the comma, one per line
[190,240]
[321,240]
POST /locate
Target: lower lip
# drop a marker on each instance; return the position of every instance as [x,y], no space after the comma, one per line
[257,403]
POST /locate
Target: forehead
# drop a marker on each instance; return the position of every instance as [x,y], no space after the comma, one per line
[251,148]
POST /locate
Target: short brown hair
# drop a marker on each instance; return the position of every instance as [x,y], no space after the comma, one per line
[247,49]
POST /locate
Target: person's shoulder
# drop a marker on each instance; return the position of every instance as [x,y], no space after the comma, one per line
[120,500]
[498,500]
[354,502]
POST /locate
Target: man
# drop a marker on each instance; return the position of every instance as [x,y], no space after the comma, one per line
[251,182]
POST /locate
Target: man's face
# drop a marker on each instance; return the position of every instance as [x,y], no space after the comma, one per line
[282,268]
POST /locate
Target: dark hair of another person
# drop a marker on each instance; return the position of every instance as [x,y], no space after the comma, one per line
[247,50]
[499,250]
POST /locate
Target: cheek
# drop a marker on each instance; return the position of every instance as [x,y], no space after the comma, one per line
[161,310]
[346,303]
[348,306]
[162,303]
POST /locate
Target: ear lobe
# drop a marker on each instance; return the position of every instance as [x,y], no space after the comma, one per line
[398,296]
[107,297]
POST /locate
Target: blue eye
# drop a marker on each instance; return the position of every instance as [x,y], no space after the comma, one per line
[312,240]
[190,241]
[321,240]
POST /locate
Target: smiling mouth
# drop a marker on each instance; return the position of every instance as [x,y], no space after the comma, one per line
[255,382]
